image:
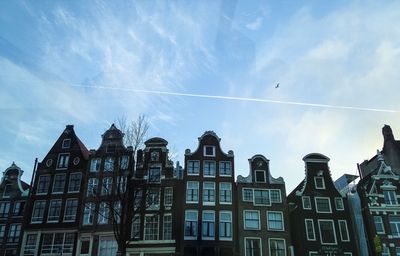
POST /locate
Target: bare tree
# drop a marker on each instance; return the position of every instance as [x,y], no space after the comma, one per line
[135,131]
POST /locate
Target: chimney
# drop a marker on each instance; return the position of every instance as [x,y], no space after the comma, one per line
[387,133]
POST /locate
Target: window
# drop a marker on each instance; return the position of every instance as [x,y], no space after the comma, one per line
[4,209]
[168,196]
[397,251]
[18,208]
[339,204]
[2,232]
[251,220]
[7,191]
[137,198]
[190,225]
[71,207]
[43,186]
[310,231]
[193,167]
[275,221]
[277,247]
[38,211]
[209,193]
[192,192]
[225,168]
[104,212]
[380,229]
[260,176]
[88,213]
[106,188]
[209,151]
[123,162]
[209,169]
[385,251]
[225,193]
[66,143]
[62,162]
[108,246]
[151,227]
[208,230]
[58,184]
[74,182]
[323,204]
[30,245]
[275,196]
[390,197]
[261,197]
[167,230]
[95,164]
[122,182]
[153,199]
[395,225]
[327,232]
[14,233]
[306,203]
[225,225]
[109,164]
[319,182]
[54,211]
[92,186]
[85,246]
[247,195]
[136,227]
[117,211]
[344,232]
[155,174]
[253,246]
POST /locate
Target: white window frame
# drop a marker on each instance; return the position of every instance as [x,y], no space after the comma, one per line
[136,230]
[95,164]
[41,216]
[313,229]
[225,238]
[303,199]
[244,220]
[167,230]
[279,193]
[337,200]
[56,217]
[396,225]
[205,151]
[66,141]
[223,164]
[103,215]
[88,213]
[261,204]
[282,220]
[264,174]
[153,199]
[210,223]
[276,239]
[48,185]
[124,162]
[377,217]
[323,198]
[252,195]
[194,189]
[228,191]
[212,192]
[315,182]
[54,183]
[392,197]
[68,208]
[154,171]
[191,220]
[347,230]
[64,164]
[7,190]
[80,182]
[252,238]
[334,231]
[109,164]
[92,187]
[193,168]
[106,185]
[211,163]
[168,196]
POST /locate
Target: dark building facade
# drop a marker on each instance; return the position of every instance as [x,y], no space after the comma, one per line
[263,218]
[52,212]
[319,214]
[209,205]
[13,197]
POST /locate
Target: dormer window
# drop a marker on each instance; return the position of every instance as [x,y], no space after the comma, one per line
[260,176]
[319,182]
[66,143]
[209,151]
[390,197]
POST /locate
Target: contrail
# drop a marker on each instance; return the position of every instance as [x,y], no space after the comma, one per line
[240,99]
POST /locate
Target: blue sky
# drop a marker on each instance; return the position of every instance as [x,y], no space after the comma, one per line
[87,63]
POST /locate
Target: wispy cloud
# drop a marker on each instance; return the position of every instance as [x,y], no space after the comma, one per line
[255,25]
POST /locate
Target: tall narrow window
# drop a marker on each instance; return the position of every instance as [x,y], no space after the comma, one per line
[192,192]
[167,230]
[225,225]
[209,193]
[2,231]
[92,186]
[209,169]
[71,208]
[390,197]
[109,164]
[168,192]
[54,211]
[153,199]
[95,164]
[193,167]
[394,225]
[339,204]
[277,247]
[260,176]
[306,203]
[155,174]
[225,168]
[191,225]
[310,231]
[208,230]
[327,232]
[14,233]
[225,193]
[59,183]
[4,209]
[19,208]
[344,232]
[319,182]
[106,189]
[151,227]
[275,221]
[74,182]
[43,186]
[88,213]
[104,212]
[253,246]
[380,229]
[123,162]
[38,211]
[136,227]
[62,162]
[7,191]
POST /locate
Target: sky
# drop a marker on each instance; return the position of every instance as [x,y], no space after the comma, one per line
[194,66]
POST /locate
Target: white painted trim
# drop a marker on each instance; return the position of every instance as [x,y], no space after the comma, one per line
[323,182]
[347,231]
[219,230]
[212,238]
[219,169]
[197,226]
[244,220]
[313,230]
[252,238]
[255,176]
[280,195]
[254,197]
[215,169]
[316,205]
[334,230]
[309,200]
[192,174]
[336,206]
[204,151]
[269,244]
[283,221]
[252,193]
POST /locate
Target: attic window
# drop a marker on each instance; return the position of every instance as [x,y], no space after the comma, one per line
[7,191]
[319,182]
[66,143]
[209,151]
[260,176]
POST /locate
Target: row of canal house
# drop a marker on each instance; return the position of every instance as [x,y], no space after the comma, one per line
[80,198]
